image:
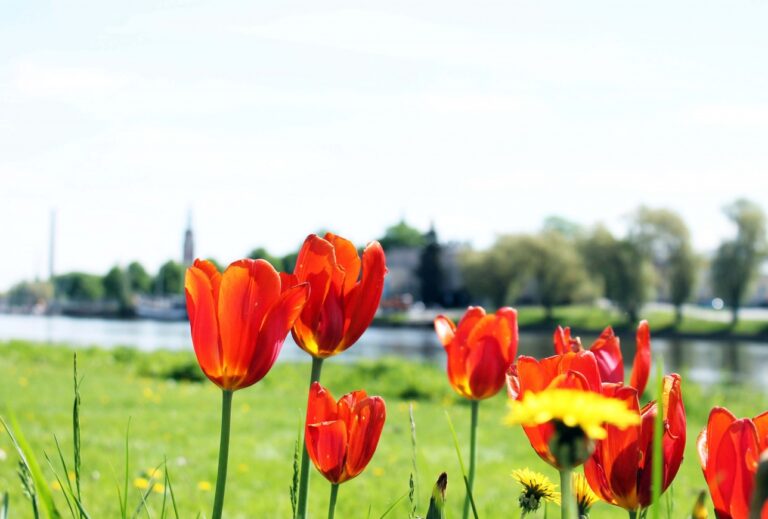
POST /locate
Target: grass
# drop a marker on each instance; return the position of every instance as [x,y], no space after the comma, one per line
[176,418]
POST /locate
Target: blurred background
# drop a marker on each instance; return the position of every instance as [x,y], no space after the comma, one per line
[589,163]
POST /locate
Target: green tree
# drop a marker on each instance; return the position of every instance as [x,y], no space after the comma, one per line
[622,269]
[557,270]
[30,293]
[139,281]
[170,278]
[497,274]
[402,235]
[664,238]
[262,253]
[737,261]
[79,286]
[117,288]
[430,271]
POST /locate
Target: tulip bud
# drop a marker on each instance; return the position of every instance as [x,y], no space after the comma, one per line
[570,446]
[437,501]
[700,507]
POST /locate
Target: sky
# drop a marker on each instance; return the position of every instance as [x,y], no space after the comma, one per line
[269,121]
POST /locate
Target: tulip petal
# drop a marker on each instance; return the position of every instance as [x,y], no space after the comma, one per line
[327,447]
[321,406]
[274,330]
[248,290]
[608,355]
[201,307]
[641,366]
[346,406]
[563,341]
[467,323]
[708,444]
[315,264]
[509,345]
[735,464]
[362,301]
[761,423]
[348,259]
[445,330]
[364,433]
[486,368]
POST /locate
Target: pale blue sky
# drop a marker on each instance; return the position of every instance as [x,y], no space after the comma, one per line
[273,120]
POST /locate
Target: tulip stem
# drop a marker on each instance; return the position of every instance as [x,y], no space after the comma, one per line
[332,504]
[567,500]
[633,514]
[221,477]
[475,404]
[301,509]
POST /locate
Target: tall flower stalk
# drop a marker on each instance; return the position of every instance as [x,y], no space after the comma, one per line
[345,294]
[239,321]
[480,350]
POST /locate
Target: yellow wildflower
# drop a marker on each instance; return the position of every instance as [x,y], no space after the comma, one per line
[141,483]
[205,486]
[586,410]
[158,488]
[537,488]
[585,497]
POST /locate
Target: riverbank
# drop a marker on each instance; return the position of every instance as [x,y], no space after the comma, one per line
[174,415]
[592,320]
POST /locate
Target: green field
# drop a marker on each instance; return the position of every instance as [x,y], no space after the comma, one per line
[178,420]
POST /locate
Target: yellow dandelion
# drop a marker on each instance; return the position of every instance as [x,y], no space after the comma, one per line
[153,473]
[378,471]
[584,495]
[55,485]
[586,410]
[537,488]
[158,488]
[141,483]
[242,467]
[71,475]
[205,486]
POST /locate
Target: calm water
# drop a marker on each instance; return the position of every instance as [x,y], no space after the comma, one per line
[703,361]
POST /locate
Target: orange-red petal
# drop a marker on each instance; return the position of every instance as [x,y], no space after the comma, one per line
[608,355]
[362,301]
[641,366]
[327,447]
[201,307]
[364,433]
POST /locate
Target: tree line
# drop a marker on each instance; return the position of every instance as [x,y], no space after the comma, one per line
[565,263]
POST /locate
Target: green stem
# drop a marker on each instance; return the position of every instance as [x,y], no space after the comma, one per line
[632,514]
[567,499]
[472,455]
[301,510]
[332,504]
[221,477]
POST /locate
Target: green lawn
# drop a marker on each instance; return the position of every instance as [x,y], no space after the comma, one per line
[179,421]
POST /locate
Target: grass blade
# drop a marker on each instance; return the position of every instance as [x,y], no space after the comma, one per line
[461,465]
[76,430]
[170,490]
[4,507]
[27,457]
[658,438]
[392,506]
[413,493]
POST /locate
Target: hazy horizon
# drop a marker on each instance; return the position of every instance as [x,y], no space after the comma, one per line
[270,122]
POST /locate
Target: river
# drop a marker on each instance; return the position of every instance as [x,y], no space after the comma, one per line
[704,361]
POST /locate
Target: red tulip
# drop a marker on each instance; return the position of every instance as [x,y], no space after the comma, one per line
[608,354]
[342,436]
[239,319]
[574,370]
[342,302]
[729,450]
[479,351]
[621,467]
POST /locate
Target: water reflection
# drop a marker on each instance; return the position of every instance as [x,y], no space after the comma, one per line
[702,361]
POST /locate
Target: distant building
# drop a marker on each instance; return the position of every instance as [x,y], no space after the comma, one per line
[189,244]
